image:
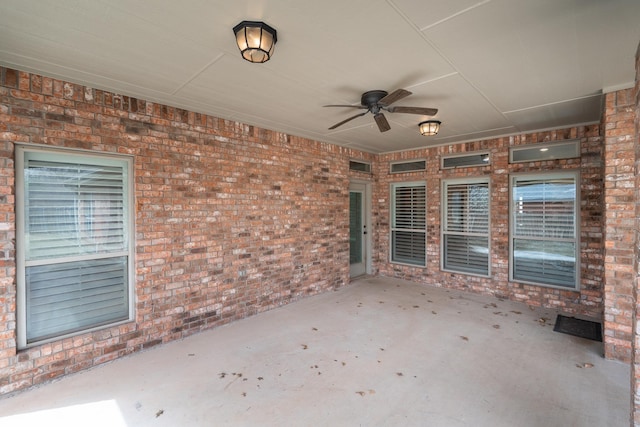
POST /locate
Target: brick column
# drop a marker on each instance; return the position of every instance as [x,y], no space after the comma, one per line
[619,223]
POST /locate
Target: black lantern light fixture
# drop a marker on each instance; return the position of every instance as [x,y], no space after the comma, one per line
[430,127]
[255,40]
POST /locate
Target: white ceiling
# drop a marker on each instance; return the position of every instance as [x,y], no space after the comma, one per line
[492,67]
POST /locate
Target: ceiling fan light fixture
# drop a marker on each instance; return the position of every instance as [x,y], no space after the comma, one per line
[256,40]
[429,127]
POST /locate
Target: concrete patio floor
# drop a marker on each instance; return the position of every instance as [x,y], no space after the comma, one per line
[379,352]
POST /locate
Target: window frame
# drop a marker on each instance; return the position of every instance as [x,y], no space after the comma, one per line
[392,222]
[548,151]
[78,157]
[366,166]
[484,156]
[546,176]
[408,162]
[444,224]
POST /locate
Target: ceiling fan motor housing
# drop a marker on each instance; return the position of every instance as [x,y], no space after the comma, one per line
[371,98]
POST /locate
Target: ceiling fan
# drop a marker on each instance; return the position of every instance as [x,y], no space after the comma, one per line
[376,101]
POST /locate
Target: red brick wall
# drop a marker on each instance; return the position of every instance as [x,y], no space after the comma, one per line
[635,361]
[231,220]
[620,221]
[587,301]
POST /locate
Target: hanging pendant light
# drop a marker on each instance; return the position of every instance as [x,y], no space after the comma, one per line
[255,40]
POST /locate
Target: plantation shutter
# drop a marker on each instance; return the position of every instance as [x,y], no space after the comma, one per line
[408,241]
[544,230]
[466,227]
[76,244]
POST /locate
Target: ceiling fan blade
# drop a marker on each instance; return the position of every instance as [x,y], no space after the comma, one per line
[414,110]
[350,106]
[394,96]
[347,120]
[382,122]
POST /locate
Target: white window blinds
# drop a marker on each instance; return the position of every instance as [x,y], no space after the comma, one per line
[75,242]
[544,238]
[466,227]
[408,228]
[68,297]
[74,209]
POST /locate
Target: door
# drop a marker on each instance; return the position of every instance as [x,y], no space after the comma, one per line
[358,237]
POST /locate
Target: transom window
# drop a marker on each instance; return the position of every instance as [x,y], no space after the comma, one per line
[408,223]
[410,166]
[74,231]
[544,229]
[465,226]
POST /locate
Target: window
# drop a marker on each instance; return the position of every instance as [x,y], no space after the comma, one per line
[540,152]
[466,160]
[74,242]
[356,165]
[408,223]
[410,166]
[544,235]
[465,226]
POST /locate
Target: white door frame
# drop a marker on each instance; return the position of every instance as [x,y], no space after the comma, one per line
[365,187]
